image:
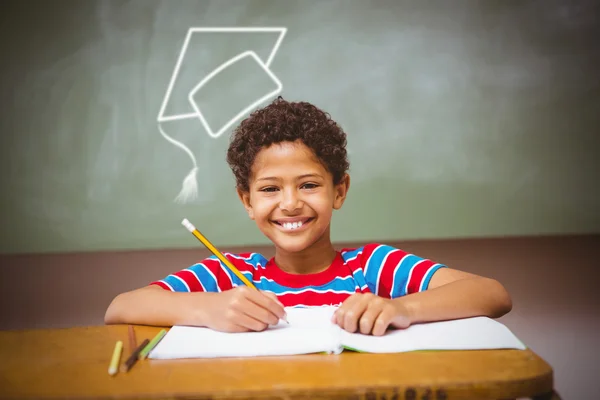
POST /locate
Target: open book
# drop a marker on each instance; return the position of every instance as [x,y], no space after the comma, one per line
[310,330]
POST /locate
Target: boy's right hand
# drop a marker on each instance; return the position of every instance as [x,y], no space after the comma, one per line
[243,309]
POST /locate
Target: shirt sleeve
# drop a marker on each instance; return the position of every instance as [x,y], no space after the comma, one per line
[392,272]
[205,276]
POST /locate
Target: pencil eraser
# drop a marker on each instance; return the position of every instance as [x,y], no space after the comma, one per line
[188,225]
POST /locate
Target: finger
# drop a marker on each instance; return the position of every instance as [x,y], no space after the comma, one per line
[400,322]
[339,314]
[256,311]
[369,316]
[264,301]
[273,296]
[246,322]
[270,302]
[237,321]
[231,328]
[382,322]
[353,315]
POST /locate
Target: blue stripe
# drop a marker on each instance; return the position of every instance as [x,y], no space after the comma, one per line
[201,271]
[359,277]
[255,259]
[235,281]
[429,274]
[374,264]
[175,283]
[347,255]
[401,275]
[337,284]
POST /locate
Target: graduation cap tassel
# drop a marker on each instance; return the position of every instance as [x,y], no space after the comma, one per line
[189,189]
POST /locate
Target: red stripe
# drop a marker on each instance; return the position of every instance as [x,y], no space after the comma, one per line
[368,251]
[223,280]
[161,284]
[241,261]
[355,263]
[387,273]
[310,298]
[191,280]
[417,275]
[337,269]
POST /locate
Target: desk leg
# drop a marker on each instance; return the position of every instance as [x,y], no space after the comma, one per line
[547,396]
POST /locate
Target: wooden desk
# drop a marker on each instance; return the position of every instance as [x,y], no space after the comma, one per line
[73,363]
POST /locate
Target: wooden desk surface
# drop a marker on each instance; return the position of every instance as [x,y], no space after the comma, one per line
[73,363]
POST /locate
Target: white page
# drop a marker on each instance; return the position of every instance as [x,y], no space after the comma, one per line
[463,334]
[311,317]
[309,331]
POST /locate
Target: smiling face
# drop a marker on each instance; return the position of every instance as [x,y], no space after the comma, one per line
[291,197]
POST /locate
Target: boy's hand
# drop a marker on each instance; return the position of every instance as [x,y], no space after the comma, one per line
[371,314]
[243,309]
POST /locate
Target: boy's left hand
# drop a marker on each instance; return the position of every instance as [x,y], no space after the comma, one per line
[371,314]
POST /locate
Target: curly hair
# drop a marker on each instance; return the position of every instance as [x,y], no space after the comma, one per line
[283,121]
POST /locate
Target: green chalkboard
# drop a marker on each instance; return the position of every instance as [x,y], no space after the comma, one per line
[464,118]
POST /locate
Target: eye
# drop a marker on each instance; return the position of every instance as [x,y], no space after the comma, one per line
[268,189]
[309,186]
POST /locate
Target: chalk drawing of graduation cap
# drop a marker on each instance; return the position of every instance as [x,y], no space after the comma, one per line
[189,190]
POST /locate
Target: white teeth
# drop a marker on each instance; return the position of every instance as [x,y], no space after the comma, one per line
[292,225]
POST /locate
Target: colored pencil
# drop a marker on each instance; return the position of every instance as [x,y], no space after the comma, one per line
[132,341]
[146,350]
[134,356]
[116,357]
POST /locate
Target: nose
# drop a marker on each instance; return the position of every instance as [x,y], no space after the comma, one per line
[290,201]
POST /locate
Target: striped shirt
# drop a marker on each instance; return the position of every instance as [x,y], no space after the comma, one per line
[374,268]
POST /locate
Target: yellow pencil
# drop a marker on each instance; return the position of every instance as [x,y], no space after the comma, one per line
[216,252]
[116,357]
[190,227]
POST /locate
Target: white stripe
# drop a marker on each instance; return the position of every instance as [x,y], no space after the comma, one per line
[353,258]
[378,279]
[425,276]
[359,273]
[316,291]
[211,274]
[197,278]
[410,274]
[371,258]
[337,278]
[169,286]
[182,281]
[394,273]
[245,259]
[261,278]
[228,272]
[307,306]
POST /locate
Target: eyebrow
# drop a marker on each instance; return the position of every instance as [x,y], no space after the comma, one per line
[273,178]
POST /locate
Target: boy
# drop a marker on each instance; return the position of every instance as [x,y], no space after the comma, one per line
[290,166]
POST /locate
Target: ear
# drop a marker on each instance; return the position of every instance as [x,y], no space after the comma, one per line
[341,191]
[245,199]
